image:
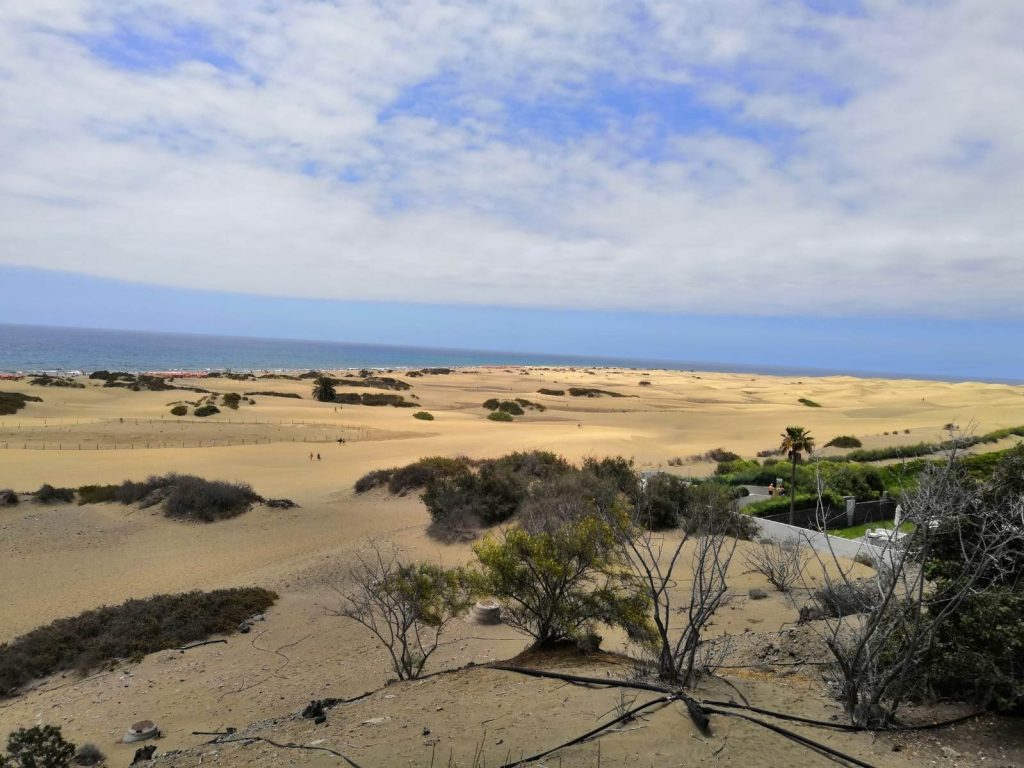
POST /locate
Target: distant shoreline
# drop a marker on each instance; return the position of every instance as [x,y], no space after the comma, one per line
[30,350]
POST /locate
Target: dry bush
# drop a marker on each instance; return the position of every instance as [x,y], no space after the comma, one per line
[781,562]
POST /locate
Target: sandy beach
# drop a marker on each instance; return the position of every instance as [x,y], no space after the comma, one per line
[57,561]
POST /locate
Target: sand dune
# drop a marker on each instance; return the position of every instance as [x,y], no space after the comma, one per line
[58,561]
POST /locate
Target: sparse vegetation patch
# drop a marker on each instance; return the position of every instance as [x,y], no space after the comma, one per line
[423,416]
[130,630]
[844,441]
[293,395]
[12,402]
[591,392]
[809,403]
[56,381]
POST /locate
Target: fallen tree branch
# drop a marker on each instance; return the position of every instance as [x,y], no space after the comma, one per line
[290,745]
[802,740]
[203,642]
[593,732]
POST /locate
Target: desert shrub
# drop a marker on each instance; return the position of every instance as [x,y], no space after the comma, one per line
[8,498]
[845,598]
[47,494]
[591,392]
[376,382]
[511,407]
[499,416]
[522,401]
[193,498]
[719,455]
[231,400]
[56,381]
[41,746]
[490,495]
[89,754]
[293,395]
[12,402]
[567,497]
[182,496]
[551,392]
[96,494]
[781,562]
[206,410]
[423,416]
[179,410]
[809,403]
[377,478]
[134,628]
[420,473]
[558,585]
[535,465]
[618,470]
[373,399]
[663,501]
[645,383]
[844,441]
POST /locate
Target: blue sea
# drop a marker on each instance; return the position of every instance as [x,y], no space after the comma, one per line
[30,348]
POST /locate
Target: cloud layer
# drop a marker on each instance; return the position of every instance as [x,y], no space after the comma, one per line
[696,157]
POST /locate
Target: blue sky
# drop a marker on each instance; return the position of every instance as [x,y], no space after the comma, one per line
[878,345]
[823,171]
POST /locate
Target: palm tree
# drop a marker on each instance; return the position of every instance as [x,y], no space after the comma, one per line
[795,440]
[323,389]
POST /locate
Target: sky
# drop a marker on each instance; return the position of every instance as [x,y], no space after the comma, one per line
[685,175]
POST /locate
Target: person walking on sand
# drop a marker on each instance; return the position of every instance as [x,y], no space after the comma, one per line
[310,455]
[318,457]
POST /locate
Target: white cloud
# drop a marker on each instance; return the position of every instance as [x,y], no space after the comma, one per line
[840,164]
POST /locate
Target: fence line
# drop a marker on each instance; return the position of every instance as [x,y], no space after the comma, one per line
[93,445]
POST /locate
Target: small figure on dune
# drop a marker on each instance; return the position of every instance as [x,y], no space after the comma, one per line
[310,455]
[318,457]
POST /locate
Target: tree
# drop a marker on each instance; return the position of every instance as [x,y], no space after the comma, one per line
[406,606]
[323,389]
[883,641]
[41,746]
[683,654]
[795,440]
[558,584]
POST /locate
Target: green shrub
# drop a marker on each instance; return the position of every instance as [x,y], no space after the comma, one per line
[231,400]
[12,402]
[522,401]
[377,478]
[558,585]
[47,494]
[844,441]
[293,395]
[193,498]
[499,416]
[809,403]
[774,506]
[96,494]
[41,746]
[551,392]
[179,410]
[423,416]
[373,399]
[137,627]
[591,392]
[419,474]
[206,410]
[184,497]
[56,381]
[511,408]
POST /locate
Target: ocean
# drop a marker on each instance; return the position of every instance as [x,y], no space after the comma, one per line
[32,348]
